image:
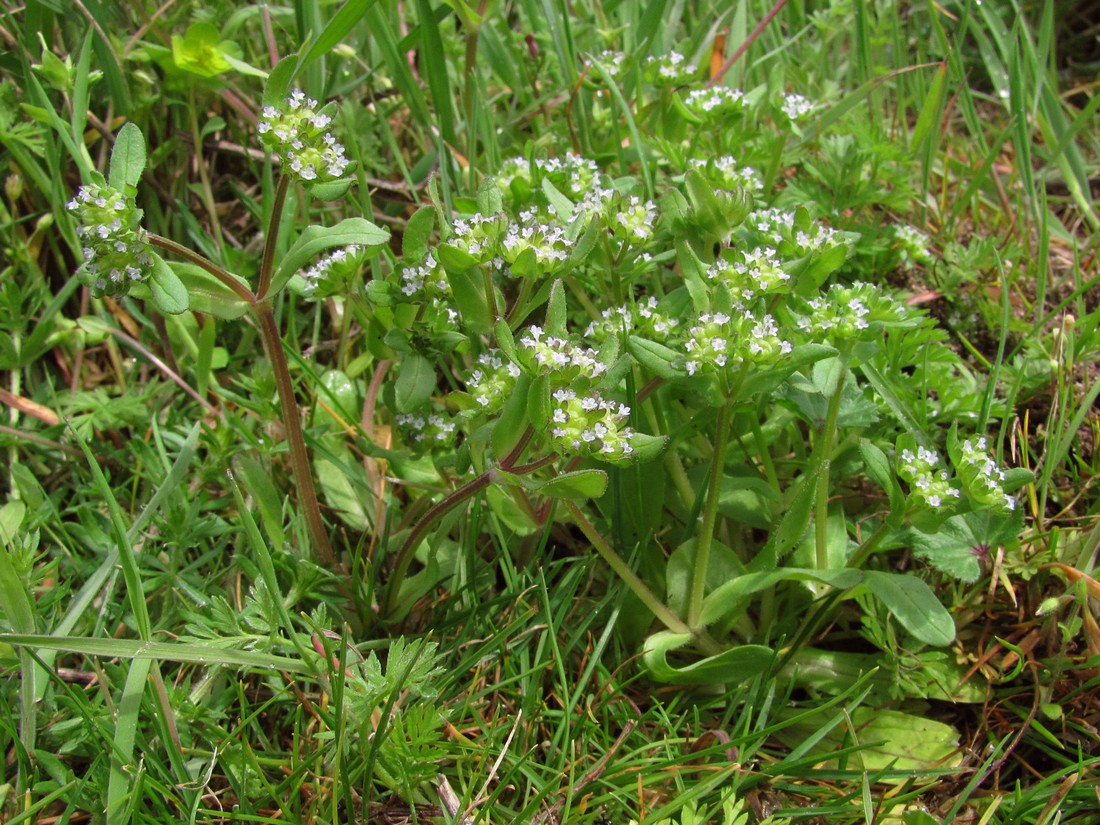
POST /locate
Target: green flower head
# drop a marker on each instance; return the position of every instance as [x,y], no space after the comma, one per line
[116,252]
[300,137]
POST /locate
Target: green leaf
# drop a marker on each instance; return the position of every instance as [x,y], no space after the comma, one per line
[257,480]
[168,290]
[538,403]
[330,190]
[127,158]
[337,28]
[489,200]
[316,239]
[954,548]
[728,597]
[455,259]
[468,293]
[415,384]
[731,667]
[888,739]
[201,653]
[556,310]
[912,603]
[335,480]
[879,471]
[509,427]
[560,204]
[277,88]
[505,341]
[207,294]
[582,484]
[414,241]
[657,358]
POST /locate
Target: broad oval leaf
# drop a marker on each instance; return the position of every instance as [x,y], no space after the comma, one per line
[168,290]
[127,157]
[913,603]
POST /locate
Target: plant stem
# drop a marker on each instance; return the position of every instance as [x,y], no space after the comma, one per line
[869,546]
[710,512]
[267,264]
[452,500]
[292,422]
[631,579]
[821,509]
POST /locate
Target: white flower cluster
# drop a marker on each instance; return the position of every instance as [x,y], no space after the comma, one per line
[726,173]
[643,316]
[635,219]
[333,270]
[300,137]
[479,235]
[718,340]
[561,357]
[796,107]
[928,484]
[717,101]
[426,279]
[757,272]
[572,174]
[492,380]
[426,431]
[614,62]
[116,252]
[542,235]
[670,69]
[777,227]
[981,476]
[847,312]
[590,423]
[912,245]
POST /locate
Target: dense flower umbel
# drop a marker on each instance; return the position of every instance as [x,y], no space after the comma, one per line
[560,356]
[116,252]
[492,380]
[726,173]
[779,228]
[718,341]
[538,233]
[796,107]
[426,279]
[590,424]
[479,235]
[634,219]
[928,485]
[643,317]
[332,273]
[750,274]
[299,135]
[715,102]
[980,475]
[429,430]
[848,312]
[669,69]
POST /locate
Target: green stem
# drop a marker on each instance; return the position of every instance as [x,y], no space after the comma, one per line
[710,513]
[869,546]
[636,585]
[821,514]
[292,423]
[267,263]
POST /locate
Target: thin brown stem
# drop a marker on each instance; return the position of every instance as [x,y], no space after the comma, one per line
[267,264]
[292,422]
